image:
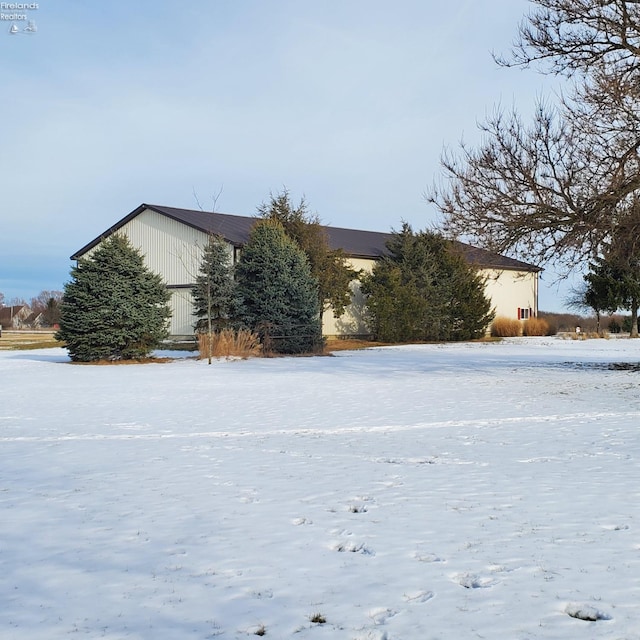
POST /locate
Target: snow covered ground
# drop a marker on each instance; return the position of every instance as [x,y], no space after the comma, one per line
[486,490]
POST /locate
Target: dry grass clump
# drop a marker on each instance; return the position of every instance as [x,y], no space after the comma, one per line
[349,344]
[317,618]
[228,343]
[108,363]
[503,327]
[535,327]
[588,335]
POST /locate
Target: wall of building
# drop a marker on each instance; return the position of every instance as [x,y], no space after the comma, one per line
[174,251]
[354,320]
[182,318]
[511,290]
[171,249]
[508,290]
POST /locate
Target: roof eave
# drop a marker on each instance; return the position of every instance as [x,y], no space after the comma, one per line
[502,267]
[118,225]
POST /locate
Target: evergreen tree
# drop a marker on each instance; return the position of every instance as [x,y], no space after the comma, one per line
[51,313]
[114,307]
[279,292]
[424,290]
[217,303]
[613,284]
[328,265]
[469,310]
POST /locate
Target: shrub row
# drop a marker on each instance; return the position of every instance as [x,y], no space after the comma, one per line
[508,328]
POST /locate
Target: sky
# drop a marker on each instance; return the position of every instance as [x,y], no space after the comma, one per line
[111,104]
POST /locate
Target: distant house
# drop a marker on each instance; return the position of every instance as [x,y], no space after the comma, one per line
[172,240]
[35,320]
[14,316]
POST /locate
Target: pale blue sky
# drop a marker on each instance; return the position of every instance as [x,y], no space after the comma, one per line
[113,103]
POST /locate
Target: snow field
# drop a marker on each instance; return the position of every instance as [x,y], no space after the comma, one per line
[422,492]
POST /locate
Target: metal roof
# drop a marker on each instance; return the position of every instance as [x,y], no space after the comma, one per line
[355,243]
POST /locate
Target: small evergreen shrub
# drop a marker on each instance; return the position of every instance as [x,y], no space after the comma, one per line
[535,327]
[626,324]
[228,343]
[614,326]
[503,327]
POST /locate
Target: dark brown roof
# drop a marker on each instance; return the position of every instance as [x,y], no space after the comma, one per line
[7,314]
[490,260]
[355,243]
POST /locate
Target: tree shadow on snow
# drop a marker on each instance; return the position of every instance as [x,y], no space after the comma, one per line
[56,355]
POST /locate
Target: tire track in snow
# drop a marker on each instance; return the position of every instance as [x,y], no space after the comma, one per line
[486,422]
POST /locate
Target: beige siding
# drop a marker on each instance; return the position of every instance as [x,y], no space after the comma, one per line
[510,290]
[170,248]
[174,251]
[507,291]
[354,320]
[182,318]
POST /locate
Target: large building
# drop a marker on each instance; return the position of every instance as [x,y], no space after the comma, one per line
[172,241]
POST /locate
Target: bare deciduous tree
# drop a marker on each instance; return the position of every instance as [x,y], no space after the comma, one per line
[573,36]
[559,188]
[40,302]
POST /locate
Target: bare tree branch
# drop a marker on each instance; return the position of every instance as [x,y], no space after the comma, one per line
[557,189]
[571,36]
[214,199]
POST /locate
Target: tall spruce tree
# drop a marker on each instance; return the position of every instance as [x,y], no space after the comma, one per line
[217,303]
[114,308]
[424,290]
[328,265]
[279,292]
